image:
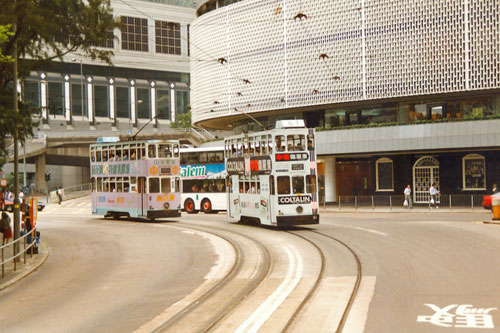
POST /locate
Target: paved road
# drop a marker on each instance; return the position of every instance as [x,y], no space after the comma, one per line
[119,276]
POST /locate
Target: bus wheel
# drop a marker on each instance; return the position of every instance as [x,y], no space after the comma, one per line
[206,206]
[189,206]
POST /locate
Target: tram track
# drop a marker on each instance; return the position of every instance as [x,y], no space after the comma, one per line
[225,283]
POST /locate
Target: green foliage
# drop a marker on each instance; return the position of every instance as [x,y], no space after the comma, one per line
[182,120]
[46,30]
[5,34]
[10,180]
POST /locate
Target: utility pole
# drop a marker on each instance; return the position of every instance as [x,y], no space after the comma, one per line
[17,222]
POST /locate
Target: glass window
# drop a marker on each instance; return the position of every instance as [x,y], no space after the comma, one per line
[56,98]
[437,112]
[182,101]
[310,142]
[279,143]
[142,151]
[296,142]
[163,103]
[298,184]
[165,151]
[176,151]
[101,101]
[133,152]
[98,155]
[151,151]
[311,184]
[271,185]
[119,184]
[283,185]
[143,111]
[125,152]
[104,154]
[134,33]
[168,37]
[122,102]
[166,185]
[154,185]
[99,184]
[384,170]
[474,176]
[32,94]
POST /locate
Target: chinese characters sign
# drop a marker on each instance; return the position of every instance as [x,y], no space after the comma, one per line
[465,316]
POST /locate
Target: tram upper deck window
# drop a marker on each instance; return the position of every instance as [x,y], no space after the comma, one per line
[151,151]
[310,142]
[92,155]
[298,184]
[125,152]
[118,153]
[133,152]
[165,151]
[296,142]
[105,154]
[142,151]
[283,185]
[176,151]
[279,143]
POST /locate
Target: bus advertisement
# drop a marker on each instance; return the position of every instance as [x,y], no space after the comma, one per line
[203,176]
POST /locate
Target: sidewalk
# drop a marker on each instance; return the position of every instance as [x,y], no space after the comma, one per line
[22,269]
[386,209]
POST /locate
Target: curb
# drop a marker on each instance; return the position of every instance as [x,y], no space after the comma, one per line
[28,272]
[491,222]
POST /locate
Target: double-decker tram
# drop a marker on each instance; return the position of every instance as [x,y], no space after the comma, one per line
[139,179]
[272,176]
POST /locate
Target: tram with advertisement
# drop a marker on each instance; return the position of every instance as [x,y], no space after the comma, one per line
[203,176]
[135,179]
[272,176]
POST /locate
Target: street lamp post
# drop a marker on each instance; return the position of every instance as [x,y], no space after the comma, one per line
[81,85]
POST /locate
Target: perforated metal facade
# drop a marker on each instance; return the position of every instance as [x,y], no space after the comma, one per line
[371,50]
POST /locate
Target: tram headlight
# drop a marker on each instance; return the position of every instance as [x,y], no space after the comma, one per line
[299,209]
[166,205]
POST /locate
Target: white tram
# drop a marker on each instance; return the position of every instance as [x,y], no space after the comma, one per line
[272,176]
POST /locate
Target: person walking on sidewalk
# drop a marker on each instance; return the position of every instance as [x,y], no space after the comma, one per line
[434,194]
[407,193]
[59,194]
[6,228]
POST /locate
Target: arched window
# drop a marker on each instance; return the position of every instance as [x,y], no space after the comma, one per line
[385,175]
[474,172]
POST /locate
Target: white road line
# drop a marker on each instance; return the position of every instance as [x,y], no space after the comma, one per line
[266,309]
[360,228]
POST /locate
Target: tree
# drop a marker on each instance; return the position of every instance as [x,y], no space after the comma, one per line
[182,120]
[46,30]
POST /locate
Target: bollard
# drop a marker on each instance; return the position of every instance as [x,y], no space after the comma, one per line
[495,204]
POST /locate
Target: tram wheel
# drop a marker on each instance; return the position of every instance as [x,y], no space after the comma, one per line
[206,206]
[189,207]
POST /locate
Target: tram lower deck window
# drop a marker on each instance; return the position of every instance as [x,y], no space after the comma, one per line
[283,185]
[298,184]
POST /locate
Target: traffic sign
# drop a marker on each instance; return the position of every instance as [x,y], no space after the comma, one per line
[3,182]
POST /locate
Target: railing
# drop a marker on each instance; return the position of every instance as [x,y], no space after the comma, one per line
[71,192]
[453,201]
[29,240]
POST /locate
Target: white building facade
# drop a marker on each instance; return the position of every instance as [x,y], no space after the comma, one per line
[424,70]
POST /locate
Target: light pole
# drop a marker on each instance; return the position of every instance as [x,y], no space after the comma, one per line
[81,84]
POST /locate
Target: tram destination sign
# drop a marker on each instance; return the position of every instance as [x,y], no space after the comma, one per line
[256,165]
[293,200]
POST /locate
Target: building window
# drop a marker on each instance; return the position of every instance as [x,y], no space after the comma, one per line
[143,94]
[134,33]
[108,43]
[56,98]
[32,95]
[182,101]
[474,176]
[101,101]
[168,37]
[77,101]
[163,103]
[385,179]
[122,102]
[188,39]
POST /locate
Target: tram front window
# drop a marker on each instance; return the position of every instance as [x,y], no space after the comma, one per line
[283,185]
[298,184]
[166,185]
[311,183]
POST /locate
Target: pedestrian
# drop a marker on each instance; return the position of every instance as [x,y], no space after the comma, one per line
[433,194]
[59,194]
[494,189]
[407,193]
[6,228]
[21,196]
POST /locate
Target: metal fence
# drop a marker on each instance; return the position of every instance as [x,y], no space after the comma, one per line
[454,201]
[71,192]
[28,240]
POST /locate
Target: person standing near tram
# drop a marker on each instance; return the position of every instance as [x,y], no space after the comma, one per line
[433,192]
[407,193]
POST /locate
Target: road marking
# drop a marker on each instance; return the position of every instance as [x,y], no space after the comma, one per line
[266,309]
[360,228]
